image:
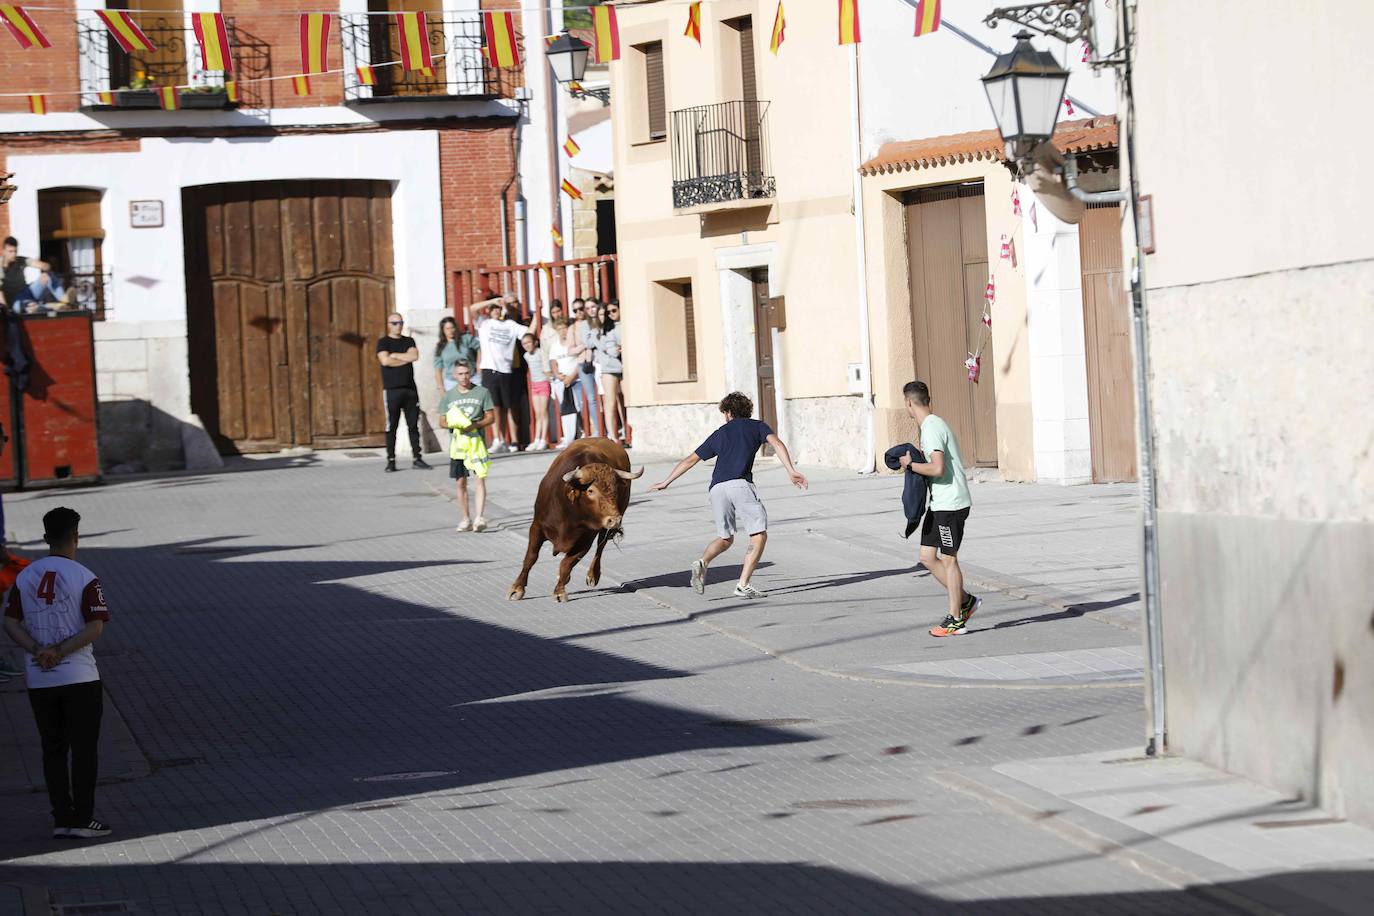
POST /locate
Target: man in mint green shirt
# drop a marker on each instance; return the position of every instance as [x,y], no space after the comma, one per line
[943,528]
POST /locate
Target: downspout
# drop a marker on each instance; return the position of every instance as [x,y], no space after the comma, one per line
[550,124]
[861,251]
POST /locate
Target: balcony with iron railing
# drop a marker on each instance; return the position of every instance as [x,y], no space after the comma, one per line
[720,157]
[460,70]
[134,77]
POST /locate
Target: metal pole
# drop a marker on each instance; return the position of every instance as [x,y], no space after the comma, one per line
[865,343]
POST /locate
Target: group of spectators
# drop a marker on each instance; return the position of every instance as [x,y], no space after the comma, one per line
[30,285]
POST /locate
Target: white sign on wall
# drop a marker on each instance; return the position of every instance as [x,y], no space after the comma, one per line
[145,214]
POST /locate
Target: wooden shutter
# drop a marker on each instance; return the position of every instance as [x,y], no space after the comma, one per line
[749,84]
[653,86]
[690,328]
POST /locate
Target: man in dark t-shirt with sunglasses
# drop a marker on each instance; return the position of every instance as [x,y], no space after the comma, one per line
[397,353]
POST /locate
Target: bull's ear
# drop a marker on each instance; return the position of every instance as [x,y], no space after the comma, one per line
[626,475]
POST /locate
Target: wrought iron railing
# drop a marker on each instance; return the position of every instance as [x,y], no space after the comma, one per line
[720,154]
[91,291]
[134,77]
[459,68]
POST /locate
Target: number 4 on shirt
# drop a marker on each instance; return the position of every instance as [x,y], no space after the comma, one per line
[47,589]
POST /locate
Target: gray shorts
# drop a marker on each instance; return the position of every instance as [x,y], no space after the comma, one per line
[735,504]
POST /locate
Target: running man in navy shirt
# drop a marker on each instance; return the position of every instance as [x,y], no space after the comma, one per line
[734,501]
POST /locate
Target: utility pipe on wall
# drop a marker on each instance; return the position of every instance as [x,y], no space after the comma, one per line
[861,253]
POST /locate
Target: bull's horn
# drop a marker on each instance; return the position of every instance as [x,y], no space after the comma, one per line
[575,472]
[626,475]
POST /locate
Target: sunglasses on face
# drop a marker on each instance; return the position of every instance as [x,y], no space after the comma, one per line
[395,322]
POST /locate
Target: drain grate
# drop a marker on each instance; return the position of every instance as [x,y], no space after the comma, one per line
[757,723]
[91,909]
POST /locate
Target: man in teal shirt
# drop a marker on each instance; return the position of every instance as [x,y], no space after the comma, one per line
[943,527]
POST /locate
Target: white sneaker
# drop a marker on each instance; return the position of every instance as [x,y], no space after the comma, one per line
[748,591]
[464,525]
[499,448]
[538,445]
[480,524]
[699,577]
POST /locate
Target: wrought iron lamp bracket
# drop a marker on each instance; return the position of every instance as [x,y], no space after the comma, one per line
[1067,20]
[601,94]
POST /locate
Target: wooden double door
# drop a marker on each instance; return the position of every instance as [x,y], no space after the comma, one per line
[1110,358]
[288,287]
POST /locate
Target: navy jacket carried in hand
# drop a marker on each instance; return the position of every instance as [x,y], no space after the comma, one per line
[914,488]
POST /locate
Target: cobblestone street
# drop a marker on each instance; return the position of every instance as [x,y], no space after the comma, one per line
[335,710]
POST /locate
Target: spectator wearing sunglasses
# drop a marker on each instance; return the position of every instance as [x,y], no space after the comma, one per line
[397,353]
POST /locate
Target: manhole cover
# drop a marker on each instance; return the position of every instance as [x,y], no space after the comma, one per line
[757,723]
[403,777]
[90,909]
[835,804]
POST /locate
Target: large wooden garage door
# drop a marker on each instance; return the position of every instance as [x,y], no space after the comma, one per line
[1107,332]
[288,285]
[948,257]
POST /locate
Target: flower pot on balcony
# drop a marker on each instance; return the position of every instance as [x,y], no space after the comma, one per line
[135,98]
[216,99]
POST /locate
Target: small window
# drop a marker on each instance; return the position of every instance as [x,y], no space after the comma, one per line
[69,239]
[654,96]
[675,331]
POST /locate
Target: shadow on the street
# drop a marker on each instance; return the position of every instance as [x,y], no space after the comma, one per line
[1068,613]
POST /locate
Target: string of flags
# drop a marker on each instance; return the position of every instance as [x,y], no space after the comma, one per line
[973,365]
[571,147]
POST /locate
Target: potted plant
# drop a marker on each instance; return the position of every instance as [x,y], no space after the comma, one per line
[203,96]
[140,93]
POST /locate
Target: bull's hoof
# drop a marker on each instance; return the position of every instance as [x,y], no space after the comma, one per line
[594,577]
[561,597]
[516,593]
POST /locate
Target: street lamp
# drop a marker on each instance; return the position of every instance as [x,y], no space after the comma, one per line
[567,56]
[1025,89]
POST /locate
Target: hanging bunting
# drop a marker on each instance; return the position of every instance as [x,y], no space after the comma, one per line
[1087,52]
[571,148]
[167,98]
[557,237]
[1006,248]
[570,189]
[779,30]
[1035,222]
[214,41]
[1015,201]
[694,23]
[367,76]
[105,97]
[1011,251]
[499,29]
[605,34]
[548,272]
[987,320]
[1068,107]
[927,17]
[849,22]
[990,292]
[38,104]
[575,87]
[315,42]
[23,28]
[301,85]
[974,365]
[125,30]
[231,91]
[414,34]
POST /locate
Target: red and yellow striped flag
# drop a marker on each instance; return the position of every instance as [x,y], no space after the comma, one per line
[500,33]
[315,42]
[574,86]
[849,22]
[231,91]
[694,23]
[570,189]
[367,76]
[779,30]
[301,84]
[606,34]
[927,17]
[557,237]
[571,148]
[414,34]
[214,41]
[38,104]
[105,97]
[23,28]
[167,98]
[125,30]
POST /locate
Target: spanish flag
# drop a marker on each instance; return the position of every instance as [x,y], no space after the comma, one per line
[367,76]
[38,104]
[23,28]
[849,22]
[570,189]
[214,41]
[779,30]
[414,35]
[557,237]
[301,84]
[315,42]
[499,29]
[606,32]
[571,148]
[694,23]
[231,91]
[105,97]
[125,30]
[167,98]
[927,17]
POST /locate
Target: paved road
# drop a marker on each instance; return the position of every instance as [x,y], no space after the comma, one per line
[343,715]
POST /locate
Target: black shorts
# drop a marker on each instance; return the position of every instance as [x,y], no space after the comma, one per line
[456,468]
[944,530]
[505,387]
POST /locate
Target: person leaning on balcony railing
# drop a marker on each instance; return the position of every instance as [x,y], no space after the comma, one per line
[29,284]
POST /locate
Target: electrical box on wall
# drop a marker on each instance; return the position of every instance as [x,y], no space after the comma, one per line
[858,379]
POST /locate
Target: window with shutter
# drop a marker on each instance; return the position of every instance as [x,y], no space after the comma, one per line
[675,331]
[655,98]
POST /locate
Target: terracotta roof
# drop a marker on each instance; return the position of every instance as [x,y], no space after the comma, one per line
[1080,136]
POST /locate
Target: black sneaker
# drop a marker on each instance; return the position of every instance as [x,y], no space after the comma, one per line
[421,464]
[390,465]
[89,831]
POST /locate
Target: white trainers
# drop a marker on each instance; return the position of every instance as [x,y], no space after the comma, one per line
[464,525]
[699,577]
[500,448]
[480,524]
[748,591]
[538,445]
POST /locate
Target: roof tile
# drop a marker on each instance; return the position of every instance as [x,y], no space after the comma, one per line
[1081,136]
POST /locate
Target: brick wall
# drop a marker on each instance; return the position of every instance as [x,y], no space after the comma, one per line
[282,34]
[473,167]
[42,70]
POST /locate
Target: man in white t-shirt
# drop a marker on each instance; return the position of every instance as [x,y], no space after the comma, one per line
[499,335]
[56,610]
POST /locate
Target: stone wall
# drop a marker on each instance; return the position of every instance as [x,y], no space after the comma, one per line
[143,389]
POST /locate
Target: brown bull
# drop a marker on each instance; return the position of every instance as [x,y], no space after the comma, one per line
[581,500]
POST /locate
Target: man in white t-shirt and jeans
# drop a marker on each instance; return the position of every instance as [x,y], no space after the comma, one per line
[56,610]
[499,335]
